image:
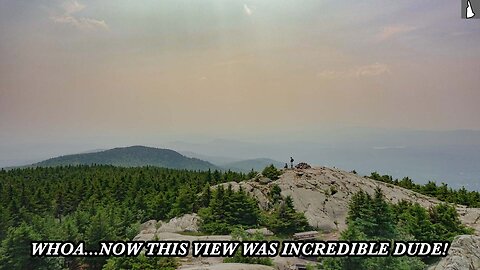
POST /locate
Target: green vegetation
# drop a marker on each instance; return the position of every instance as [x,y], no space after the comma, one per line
[284,220]
[271,172]
[91,203]
[373,218]
[274,195]
[227,210]
[141,263]
[97,203]
[15,251]
[438,223]
[441,192]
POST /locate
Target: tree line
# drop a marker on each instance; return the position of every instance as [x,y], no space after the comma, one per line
[442,192]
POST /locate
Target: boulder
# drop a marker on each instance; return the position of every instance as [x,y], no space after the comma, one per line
[264,180]
[302,166]
[263,231]
[462,255]
[185,223]
[149,226]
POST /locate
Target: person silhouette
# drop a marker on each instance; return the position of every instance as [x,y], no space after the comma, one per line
[291,162]
[286,166]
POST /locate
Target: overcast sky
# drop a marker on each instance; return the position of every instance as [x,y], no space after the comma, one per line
[77,71]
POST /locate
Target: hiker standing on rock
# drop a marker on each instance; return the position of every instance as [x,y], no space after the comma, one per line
[291,162]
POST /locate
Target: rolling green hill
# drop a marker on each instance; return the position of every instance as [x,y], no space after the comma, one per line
[133,156]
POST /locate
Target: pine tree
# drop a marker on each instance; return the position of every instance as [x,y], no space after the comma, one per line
[275,194]
[184,203]
[384,222]
[98,230]
[5,221]
[285,220]
[206,196]
[271,172]
[361,212]
[15,250]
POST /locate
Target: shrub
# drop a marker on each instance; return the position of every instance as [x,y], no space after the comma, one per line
[271,172]
[333,190]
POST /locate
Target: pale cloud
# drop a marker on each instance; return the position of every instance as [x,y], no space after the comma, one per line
[392,31]
[247,9]
[332,74]
[371,70]
[81,23]
[72,7]
[376,69]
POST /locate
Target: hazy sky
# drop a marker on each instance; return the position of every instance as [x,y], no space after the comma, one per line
[81,70]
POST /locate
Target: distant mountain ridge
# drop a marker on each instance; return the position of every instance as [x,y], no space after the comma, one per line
[217,160]
[236,164]
[132,156]
[257,164]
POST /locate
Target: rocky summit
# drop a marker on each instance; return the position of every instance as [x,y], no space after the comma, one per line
[323,195]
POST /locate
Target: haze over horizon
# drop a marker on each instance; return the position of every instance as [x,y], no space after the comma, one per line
[77,75]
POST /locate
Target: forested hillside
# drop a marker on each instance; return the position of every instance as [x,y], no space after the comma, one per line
[132,156]
[91,204]
[100,203]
